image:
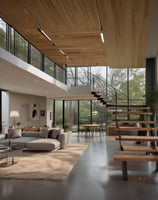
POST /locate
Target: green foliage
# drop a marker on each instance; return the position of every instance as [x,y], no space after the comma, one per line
[152,99]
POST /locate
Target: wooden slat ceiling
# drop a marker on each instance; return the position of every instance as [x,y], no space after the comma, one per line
[75,25]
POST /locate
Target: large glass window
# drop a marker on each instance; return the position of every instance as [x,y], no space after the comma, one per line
[83,76]
[36,57]
[98,112]
[21,46]
[58,113]
[12,41]
[117,79]
[84,113]
[49,67]
[2,34]
[60,73]
[137,86]
[71,76]
[71,115]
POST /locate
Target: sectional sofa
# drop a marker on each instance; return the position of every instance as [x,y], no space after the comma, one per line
[44,140]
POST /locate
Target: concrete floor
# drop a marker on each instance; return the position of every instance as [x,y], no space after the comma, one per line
[96,176]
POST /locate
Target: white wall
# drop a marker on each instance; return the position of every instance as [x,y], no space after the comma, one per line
[22,103]
[5,112]
[49,112]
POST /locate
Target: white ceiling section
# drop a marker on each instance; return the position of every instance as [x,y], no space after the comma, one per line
[74,26]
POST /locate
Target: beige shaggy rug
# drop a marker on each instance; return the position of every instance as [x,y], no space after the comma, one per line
[54,166]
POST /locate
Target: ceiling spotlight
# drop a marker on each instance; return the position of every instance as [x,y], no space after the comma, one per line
[102,37]
[44,34]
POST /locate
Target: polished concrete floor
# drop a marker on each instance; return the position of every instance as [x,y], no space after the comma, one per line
[96,176]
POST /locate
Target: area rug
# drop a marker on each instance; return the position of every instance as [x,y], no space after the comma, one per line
[54,166]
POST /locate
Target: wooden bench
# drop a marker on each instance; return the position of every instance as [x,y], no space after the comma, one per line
[150,152]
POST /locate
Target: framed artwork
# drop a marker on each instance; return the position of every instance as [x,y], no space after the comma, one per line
[34,112]
[42,113]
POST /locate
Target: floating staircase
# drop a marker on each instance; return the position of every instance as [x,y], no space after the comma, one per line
[127,118]
[101,97]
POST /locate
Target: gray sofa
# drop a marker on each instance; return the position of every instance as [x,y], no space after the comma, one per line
[44,140]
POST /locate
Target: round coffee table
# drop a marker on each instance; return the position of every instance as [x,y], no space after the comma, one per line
[4,156]
[8,154]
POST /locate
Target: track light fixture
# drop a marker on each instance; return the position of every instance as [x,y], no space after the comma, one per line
[45,35]
[102,37]
[62,52]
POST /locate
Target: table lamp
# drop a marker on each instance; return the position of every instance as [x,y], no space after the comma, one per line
[14,114]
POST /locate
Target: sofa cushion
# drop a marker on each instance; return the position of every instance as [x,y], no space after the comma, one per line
[43,144]
[23,140]
[43,133]
[30,134]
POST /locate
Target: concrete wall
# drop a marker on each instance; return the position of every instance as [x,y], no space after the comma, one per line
[23,104]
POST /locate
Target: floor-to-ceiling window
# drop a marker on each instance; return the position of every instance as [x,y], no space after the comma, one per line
[98,112]
[129,84]
[136,85]
[77,113]
[58,121]
[84,112]
[71,115]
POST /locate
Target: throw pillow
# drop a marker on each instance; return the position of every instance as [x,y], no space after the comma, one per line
[16,133]
[44,133]
[53,133]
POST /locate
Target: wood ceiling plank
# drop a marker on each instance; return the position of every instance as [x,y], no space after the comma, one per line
[74,26]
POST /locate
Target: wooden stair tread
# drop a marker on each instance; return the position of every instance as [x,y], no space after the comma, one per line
[136,121]
[136,138]
[133,113]
[129,106]
[138,148]
[123,128]
[130,157]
